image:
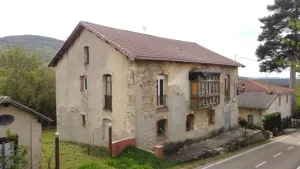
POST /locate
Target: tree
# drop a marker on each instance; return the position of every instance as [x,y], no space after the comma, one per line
[17,158]
[243,123]
[275,55]
[25,79]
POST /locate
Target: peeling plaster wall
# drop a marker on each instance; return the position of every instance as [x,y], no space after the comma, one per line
[178,93]
[72,103]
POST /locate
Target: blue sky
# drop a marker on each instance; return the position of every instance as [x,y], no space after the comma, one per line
[226,27]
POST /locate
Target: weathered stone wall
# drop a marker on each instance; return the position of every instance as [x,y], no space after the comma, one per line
[134,112]
[72,103]
[178,93]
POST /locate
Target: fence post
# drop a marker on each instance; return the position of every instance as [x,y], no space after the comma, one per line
[109,140]
[56,150]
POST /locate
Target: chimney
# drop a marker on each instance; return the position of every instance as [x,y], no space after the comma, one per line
[244,87]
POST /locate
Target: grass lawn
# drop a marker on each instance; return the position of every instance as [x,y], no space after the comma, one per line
[72,155]
[79,156]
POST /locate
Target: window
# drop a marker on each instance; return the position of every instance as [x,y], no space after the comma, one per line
[83,120]
[189,122]
[161,128]
[287,98]
[279,100]
[205,89]
[211,117]
[86,54]
[160,86]
[227,87]
[250,118]
[83,83]
[6,119]
[108,92]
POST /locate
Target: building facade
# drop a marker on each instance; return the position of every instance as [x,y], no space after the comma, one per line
[156,98]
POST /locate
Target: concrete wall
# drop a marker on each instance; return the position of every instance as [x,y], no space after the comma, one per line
[29,131]
[284,108]
[71,103]
[257,114]
[178,98]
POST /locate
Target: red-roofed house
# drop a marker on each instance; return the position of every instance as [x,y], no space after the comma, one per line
[258,99]
[154,89]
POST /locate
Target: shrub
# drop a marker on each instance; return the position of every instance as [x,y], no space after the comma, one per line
[243,122]
[272,120]
[94,165]
[253,126]
[134,158]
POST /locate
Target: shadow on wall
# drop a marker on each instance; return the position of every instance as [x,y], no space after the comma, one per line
[173,147]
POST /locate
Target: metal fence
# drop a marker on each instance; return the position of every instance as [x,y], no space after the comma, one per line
[290,122]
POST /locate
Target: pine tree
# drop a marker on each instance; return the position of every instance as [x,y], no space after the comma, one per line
[272,51]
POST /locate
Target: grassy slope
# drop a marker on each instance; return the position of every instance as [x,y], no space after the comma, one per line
[74,156]
[71,155]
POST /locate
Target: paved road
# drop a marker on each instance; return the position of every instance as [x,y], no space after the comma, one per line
[282,154]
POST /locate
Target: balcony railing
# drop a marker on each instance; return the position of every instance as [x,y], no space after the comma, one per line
[198,102]
[161,101]
[108,102]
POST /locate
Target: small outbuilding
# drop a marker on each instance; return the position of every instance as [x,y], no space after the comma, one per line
[26,123]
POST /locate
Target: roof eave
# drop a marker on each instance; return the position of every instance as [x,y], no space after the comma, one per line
[28,110]
[66,45]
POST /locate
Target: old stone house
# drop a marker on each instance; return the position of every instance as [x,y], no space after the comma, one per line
[24,122]
[258,99]
[154,89]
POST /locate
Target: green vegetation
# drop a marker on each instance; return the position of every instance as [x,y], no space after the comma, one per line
[272,120]
[44,46]
[18,158]
[73,155]
[298,99]
[25,79]
[135,158]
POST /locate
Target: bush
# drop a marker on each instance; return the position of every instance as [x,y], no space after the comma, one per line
[134,158]
[272,120]
[253,126]
[94,165]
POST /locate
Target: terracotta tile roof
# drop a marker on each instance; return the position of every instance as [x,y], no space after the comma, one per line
[139,46]
[256,100]
[255,86]
[6,99]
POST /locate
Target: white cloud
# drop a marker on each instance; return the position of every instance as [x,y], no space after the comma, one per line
[226,27]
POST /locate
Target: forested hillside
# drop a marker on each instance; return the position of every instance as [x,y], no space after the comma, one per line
[45,46]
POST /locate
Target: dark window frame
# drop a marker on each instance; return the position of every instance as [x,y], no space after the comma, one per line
[85,85]
[108,92]
[251,119]
[207,92]
[6,119]
[86,54]
[161,128]
[211,117]
[160,91]
[227,87]
[83,119]
[190,120]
